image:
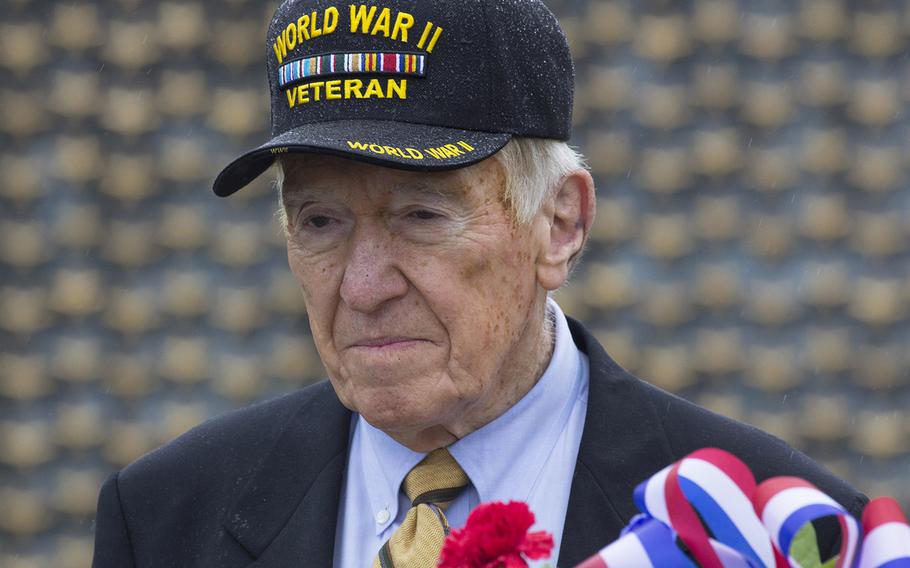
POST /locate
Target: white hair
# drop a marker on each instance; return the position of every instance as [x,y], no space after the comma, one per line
[534,167]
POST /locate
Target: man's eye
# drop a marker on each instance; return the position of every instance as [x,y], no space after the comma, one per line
[424,215]
[319,221]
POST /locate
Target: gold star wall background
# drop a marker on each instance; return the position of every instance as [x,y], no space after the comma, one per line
[751,250]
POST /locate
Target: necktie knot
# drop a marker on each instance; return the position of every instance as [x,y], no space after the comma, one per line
[436,479]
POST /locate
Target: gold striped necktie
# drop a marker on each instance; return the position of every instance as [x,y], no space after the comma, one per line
[431,486]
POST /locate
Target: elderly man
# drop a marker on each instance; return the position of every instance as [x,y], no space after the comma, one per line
[431,204]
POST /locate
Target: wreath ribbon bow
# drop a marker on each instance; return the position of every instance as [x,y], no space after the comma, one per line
[709,506]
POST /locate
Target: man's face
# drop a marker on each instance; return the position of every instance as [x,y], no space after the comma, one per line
[420,288]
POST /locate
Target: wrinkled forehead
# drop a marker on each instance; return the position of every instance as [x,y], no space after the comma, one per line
[311,173]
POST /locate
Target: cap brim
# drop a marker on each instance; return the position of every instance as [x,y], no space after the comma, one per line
[392,144]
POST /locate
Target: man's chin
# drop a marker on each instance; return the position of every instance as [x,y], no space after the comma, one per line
[419,434]
[402,418]
[396,420]
[399,405]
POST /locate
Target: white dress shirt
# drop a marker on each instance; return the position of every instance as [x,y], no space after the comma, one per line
[526,454]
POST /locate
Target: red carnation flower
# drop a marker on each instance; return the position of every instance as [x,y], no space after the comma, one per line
[496,536]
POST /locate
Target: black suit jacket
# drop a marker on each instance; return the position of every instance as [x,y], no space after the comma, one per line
[260,487]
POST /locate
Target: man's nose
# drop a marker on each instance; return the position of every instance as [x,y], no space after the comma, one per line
[372,275]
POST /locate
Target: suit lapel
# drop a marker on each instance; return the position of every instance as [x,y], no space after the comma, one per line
[286,513]
[623,442]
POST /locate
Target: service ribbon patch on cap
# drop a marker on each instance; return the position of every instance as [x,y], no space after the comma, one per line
[350,63]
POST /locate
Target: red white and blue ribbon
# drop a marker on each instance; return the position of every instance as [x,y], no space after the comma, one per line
[786,504]
[713,486]
[710,503]
[645,543]
[887,541]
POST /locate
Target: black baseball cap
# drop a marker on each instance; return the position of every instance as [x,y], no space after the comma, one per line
[412,84]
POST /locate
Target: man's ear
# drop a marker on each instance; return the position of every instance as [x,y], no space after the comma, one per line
[569,213]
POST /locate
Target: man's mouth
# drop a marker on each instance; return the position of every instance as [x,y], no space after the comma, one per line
[383,343]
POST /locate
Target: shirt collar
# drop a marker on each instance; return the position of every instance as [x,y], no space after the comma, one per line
[385,464]
[490,454]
